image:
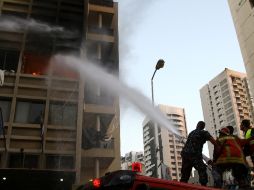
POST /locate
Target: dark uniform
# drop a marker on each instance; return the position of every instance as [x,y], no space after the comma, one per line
[192,155]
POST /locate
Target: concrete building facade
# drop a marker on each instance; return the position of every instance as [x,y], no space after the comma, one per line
[226,101]
[169,145]
[53,119]
[242,12]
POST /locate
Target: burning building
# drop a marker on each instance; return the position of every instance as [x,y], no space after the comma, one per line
[54,120]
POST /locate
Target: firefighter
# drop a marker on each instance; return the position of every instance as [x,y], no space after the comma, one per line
[231,130]
[192,154]
[248,132]
[229,156]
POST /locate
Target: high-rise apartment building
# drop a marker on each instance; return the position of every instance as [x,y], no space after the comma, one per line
[169,145]
[243,16]
[226,101]
[133,157]
[53,119]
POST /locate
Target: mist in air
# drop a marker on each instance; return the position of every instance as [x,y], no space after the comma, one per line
[116,87]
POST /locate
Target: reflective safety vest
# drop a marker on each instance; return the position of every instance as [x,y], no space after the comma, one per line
[251,143]
[231,151]
[248,134]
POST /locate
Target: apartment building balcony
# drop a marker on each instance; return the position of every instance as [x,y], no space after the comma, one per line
[105,119]
[147,141]
[147,163]
[238,101]
[146,138]
[100,149]
[100,21]
[237,95]
[149,167]
[20,7]
[97,5]
[240,87]
[99,109]
[12,37]
[103,151]
[236,90]
[94,139]
[147,153]
[100,37]
[96,100]
[146,128]
[146,133]
[234,83]
[246,107]
[102,31]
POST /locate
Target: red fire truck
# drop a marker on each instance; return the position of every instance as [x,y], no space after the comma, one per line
[131,180]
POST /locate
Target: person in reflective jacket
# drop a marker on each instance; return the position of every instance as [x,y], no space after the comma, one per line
[248,132]
[229,155]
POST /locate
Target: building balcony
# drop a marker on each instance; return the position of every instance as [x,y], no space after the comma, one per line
[104,154]
[237,95]
[100,37]
[102,151]
[147,142]
[234,83]
[102,31]
[107,3]
[149,167]
[146,128]
[238,101]
[99,100]
[240,108]
[236,90]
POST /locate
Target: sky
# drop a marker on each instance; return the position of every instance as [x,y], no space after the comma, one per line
[197,41]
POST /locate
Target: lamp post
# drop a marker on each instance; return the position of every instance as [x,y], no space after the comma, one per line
[158,66]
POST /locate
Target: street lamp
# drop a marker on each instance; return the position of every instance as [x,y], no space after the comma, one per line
[160,64]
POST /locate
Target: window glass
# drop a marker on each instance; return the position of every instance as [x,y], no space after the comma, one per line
[5,104]
[29,112]
[52,162]
[66,162]
[31,161]
[62,114]
[9,59]
[59,162]
[15,160]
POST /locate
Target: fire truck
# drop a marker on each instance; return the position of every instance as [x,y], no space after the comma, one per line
[132,180]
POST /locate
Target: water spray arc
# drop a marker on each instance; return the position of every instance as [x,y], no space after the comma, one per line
[116,87]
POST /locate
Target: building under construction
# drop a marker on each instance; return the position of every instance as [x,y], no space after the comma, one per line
[56,124]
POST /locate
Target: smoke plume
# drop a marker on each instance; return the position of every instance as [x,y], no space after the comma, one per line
[15,24]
